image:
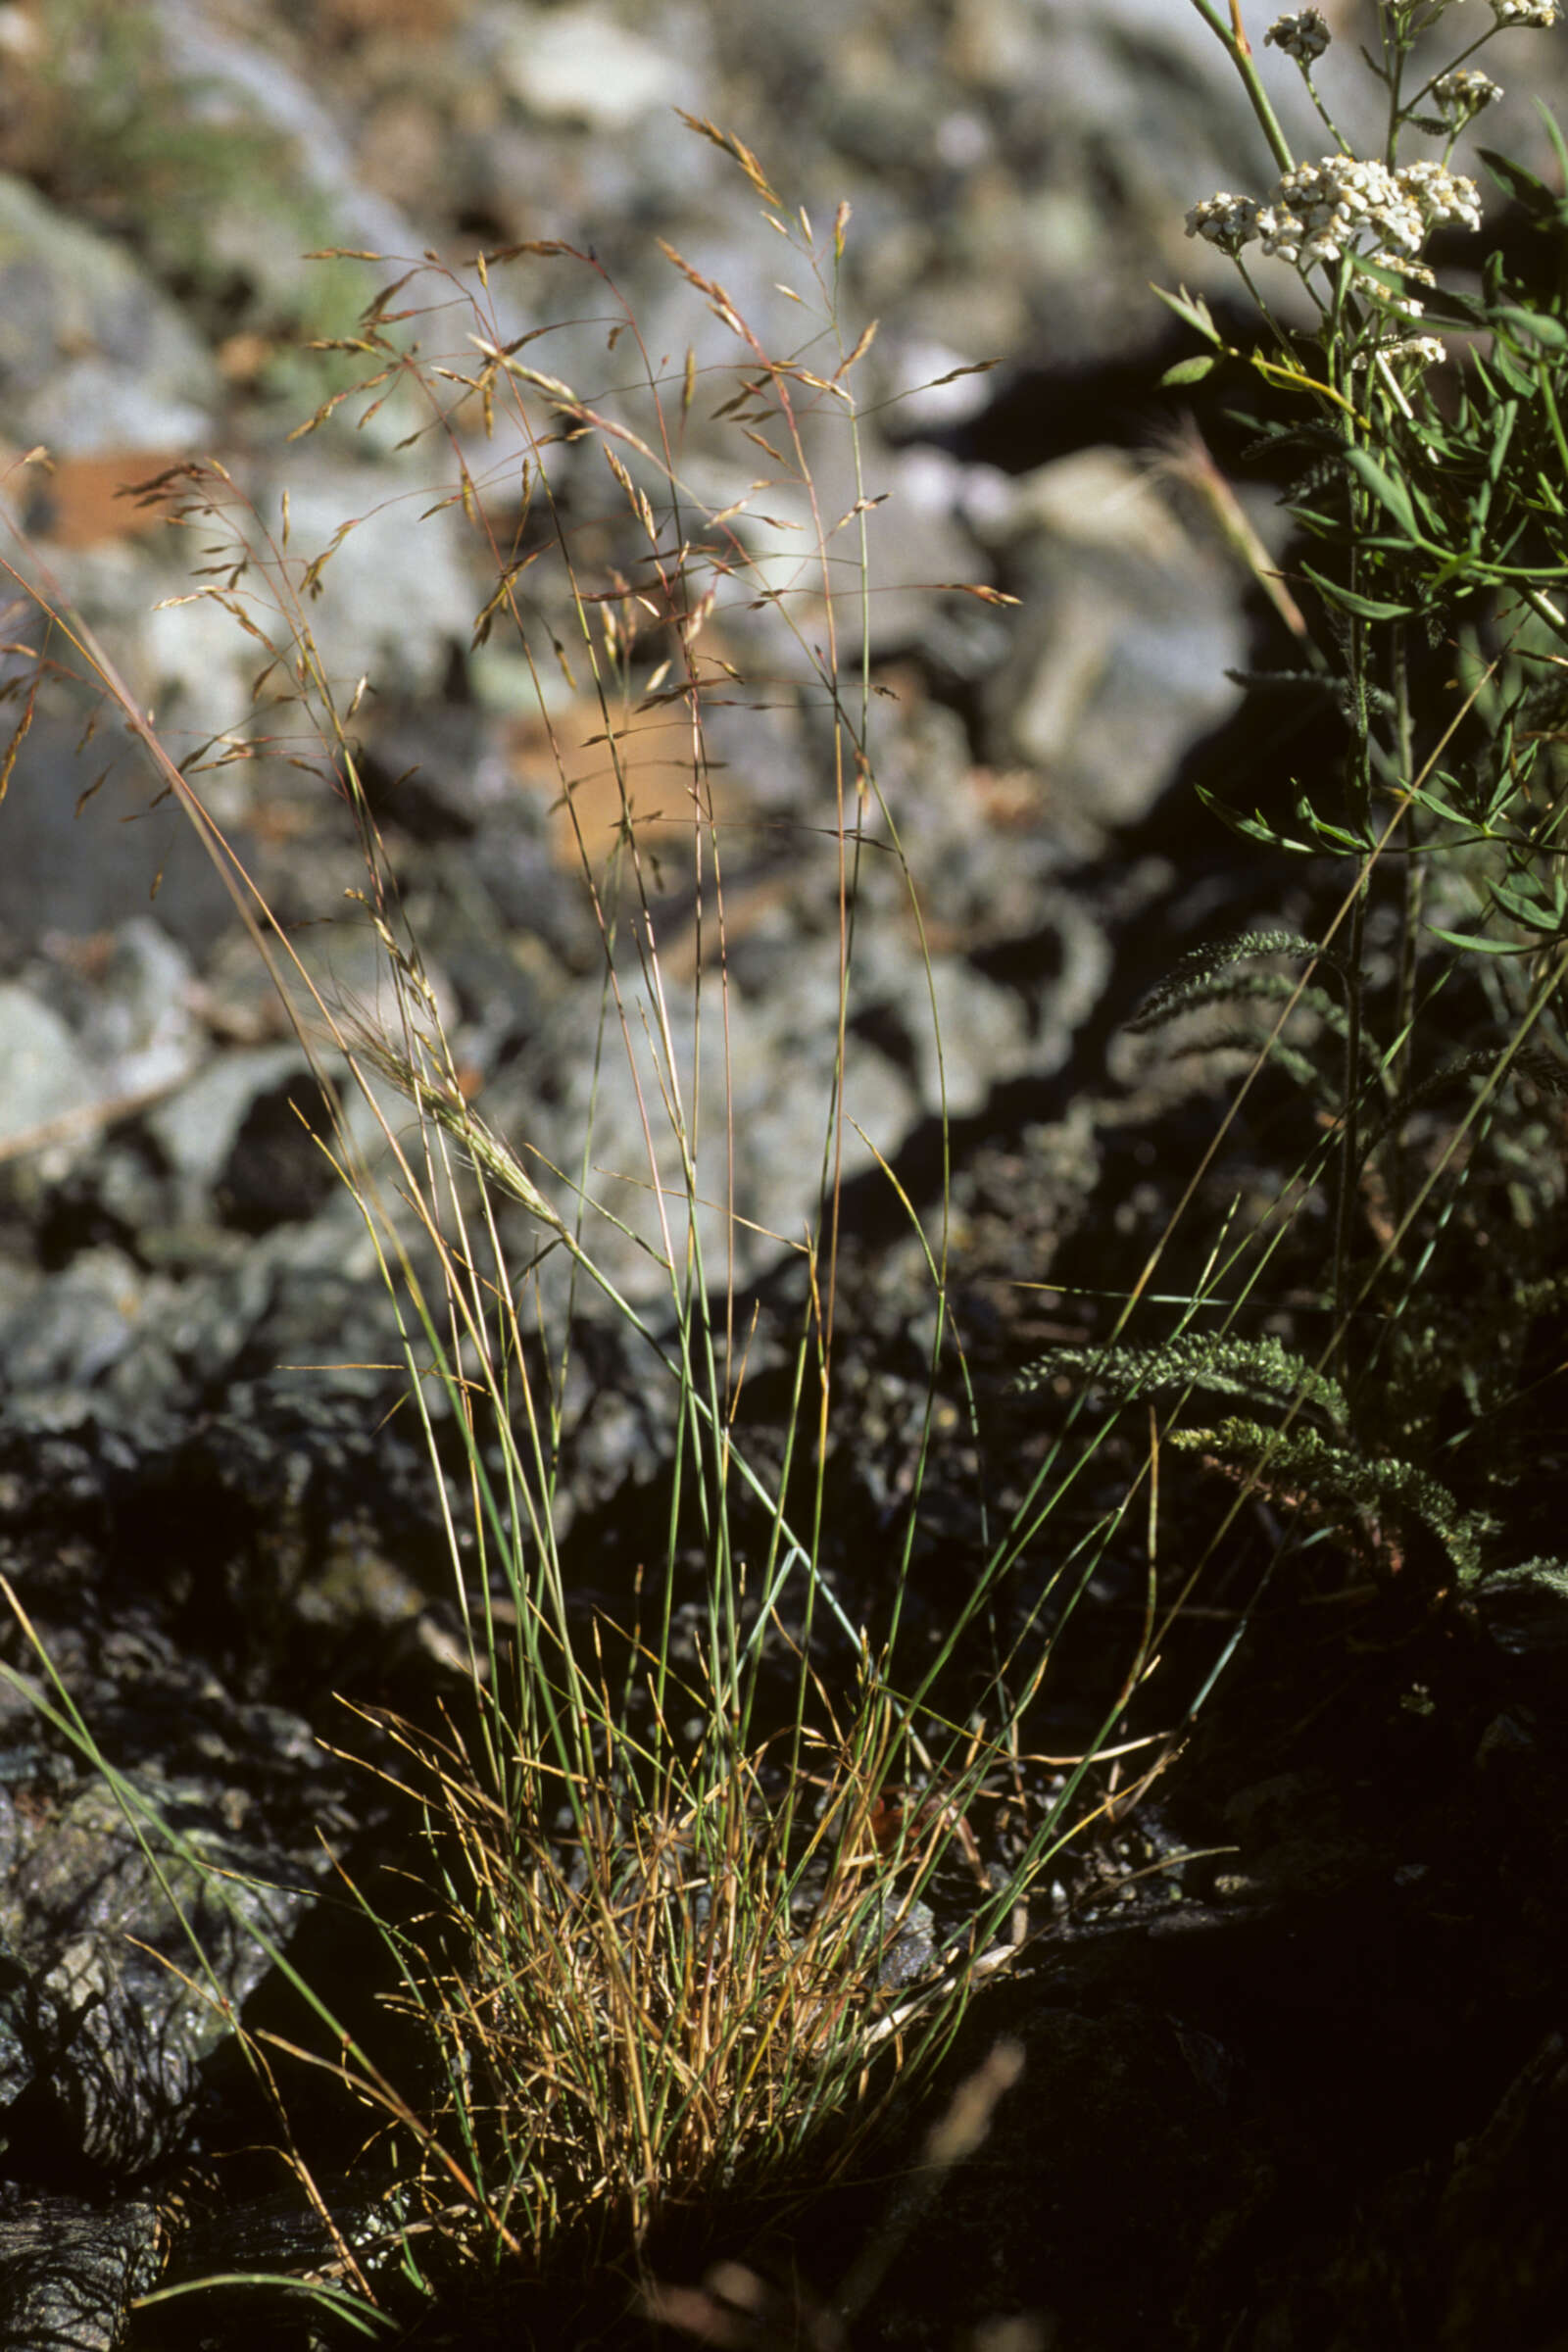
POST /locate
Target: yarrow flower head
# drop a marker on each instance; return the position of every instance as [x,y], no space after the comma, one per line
[1542,14]
[1426,350]
[1406,305]
[1463,93]
[1226,221]
[1440,196]
[1320,211]
[1303,36]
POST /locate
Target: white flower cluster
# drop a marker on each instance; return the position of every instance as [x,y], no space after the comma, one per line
[1426,348]
[1463,93]
[1539,13]
[1440,196]
[1406,304]
[1303,36]
[1226,221]
[1319,212]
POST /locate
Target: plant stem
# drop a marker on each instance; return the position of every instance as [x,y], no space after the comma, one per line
[1415,880]
[1240,51]
[1350,1156]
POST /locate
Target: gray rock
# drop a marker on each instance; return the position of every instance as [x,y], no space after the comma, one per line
[68,2270]
[580,64]
[1128,628]
[143,1027]
[761,1094]
[44,1074]
[257,83]
[85,848]
[397,590]
[75,1324]
[92,355]
[982,1031]
[122,1957]
[195,1128]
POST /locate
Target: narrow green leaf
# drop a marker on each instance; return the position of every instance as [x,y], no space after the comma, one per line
[1390,493]
[1512,371]
[1529,914]
[1190,371]
[1476,943]
[1522,185]
[1550,120]
[1453,310]
[1191,307]
[1255,827]
[1540,323]
[1365,607]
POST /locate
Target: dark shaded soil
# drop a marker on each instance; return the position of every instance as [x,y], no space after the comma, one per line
[1321,2102]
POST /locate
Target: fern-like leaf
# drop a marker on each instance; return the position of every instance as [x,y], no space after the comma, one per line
[1311,682]
[1262,1370]
[1526,1606]
[1299,1067]
[1333,1475]
[1195,969]
[1245,988]
[1543,1070]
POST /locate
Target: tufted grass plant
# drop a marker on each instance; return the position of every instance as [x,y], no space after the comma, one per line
[683,1922]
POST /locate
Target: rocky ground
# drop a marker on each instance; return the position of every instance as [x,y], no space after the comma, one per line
[1303,2090]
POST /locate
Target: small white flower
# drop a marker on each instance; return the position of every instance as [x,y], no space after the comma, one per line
[1281,232]
[1539,13]
[1303,36]
[1226,221]
[1418,270]
[1426,349]
[1329,203]
[1407,306]
[1440,196]
[1463,93]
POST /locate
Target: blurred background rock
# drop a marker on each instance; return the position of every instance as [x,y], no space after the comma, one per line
[1017,172]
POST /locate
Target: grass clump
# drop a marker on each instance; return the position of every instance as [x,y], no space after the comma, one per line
[707,1881]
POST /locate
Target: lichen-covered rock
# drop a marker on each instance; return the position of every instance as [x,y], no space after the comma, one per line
[69,2269]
